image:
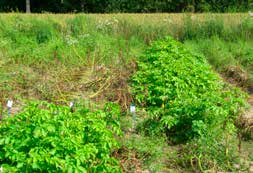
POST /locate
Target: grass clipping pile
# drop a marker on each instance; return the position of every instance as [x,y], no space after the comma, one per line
[189,103]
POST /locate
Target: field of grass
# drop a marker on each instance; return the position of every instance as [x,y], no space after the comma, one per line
[63,51]
[64,57]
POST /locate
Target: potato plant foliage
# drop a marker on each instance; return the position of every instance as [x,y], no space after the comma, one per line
[49,138]
[186,99]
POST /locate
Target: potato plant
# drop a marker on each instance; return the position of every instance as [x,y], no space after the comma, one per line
[186,99]
[49,138]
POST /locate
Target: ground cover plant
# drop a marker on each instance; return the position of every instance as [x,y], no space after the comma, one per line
[189,102]
[49,138]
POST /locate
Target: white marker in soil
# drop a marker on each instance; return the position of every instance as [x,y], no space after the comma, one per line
[132,108]
[71,105]
[9,106]
[133,112]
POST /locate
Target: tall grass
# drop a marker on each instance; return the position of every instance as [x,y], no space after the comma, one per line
[232,59]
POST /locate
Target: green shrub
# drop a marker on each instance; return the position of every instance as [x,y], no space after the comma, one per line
[49,138]
[181,92]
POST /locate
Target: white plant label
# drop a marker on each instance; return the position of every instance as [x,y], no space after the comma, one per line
[132,109]
[71,104]
[9,103]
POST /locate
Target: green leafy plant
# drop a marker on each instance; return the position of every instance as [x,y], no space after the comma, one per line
[49,138]
[192,103]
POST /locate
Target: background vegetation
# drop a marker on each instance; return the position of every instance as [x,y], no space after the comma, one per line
[59,57]
[130,6]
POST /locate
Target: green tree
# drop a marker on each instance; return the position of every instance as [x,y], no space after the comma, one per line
[130,6]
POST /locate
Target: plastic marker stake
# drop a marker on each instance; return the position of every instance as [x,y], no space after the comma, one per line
[9,106]
[133,112]
[9,103]
[71,105]
[132,108]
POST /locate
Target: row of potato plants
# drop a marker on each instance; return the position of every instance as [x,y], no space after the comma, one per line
[49,138]
[189,102]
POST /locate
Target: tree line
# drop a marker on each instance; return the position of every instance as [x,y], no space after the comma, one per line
[129,6]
